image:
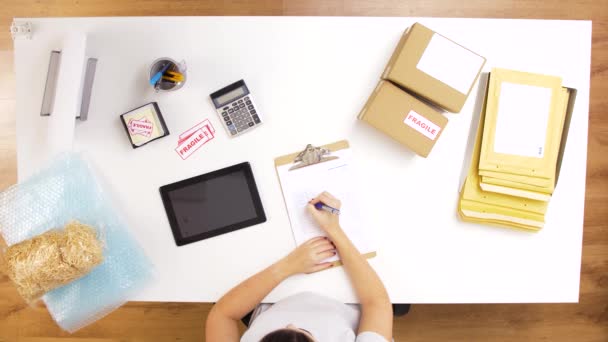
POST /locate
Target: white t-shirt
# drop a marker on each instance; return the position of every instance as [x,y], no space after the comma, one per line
[326,319]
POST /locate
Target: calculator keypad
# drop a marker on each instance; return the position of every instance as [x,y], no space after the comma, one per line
[240,115]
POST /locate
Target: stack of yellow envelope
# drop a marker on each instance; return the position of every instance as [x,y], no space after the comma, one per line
[519,143]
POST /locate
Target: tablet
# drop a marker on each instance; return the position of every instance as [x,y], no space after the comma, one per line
[215,203]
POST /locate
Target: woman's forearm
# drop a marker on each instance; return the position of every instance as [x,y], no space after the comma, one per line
[247,295]
[376,308]
[222,321]
[367,284]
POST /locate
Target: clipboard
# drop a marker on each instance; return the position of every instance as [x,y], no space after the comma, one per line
[298,162]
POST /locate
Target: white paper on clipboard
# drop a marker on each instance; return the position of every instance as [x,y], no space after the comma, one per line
[337,177]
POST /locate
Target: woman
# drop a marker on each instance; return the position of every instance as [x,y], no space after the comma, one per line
[308,317]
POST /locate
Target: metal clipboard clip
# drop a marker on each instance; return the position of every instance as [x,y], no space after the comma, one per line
[311,155]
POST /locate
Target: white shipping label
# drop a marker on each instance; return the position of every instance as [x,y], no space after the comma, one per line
[421,124]
[522,119]
[450,63]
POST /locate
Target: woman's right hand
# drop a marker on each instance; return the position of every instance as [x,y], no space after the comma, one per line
[327,221]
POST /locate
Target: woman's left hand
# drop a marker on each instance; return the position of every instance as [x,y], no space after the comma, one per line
[308,256]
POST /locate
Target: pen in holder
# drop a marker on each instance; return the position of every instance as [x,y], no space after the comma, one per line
[167,74]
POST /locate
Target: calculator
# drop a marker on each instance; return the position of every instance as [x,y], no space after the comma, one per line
[236,108]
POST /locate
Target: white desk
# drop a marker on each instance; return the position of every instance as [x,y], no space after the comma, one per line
[310,78]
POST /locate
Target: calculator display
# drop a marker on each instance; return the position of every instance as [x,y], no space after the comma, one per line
[229,97]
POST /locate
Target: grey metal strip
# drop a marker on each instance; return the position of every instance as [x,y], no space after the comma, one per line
[51,84]
[87,87]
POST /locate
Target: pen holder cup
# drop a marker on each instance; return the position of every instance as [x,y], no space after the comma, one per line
[164,85]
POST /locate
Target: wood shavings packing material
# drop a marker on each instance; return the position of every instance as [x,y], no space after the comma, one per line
[53,259]
[64,190]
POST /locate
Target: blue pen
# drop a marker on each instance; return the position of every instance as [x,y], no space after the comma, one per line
[323,206]
[159,74]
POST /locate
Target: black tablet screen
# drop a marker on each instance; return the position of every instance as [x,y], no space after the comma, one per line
[212,204]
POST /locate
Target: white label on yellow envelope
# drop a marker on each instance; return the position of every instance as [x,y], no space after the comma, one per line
[450,63]
[522,120]
[421,124]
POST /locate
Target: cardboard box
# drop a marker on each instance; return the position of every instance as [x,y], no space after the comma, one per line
[434,67]
[404,118]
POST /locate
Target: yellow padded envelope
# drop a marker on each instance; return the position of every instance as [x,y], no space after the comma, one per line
[471,191]
[520,185]
[522,108]
[514,189]
[479,206]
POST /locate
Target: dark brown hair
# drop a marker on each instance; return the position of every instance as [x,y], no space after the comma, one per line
[285,335]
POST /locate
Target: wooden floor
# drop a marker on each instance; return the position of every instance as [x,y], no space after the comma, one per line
[586,321]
